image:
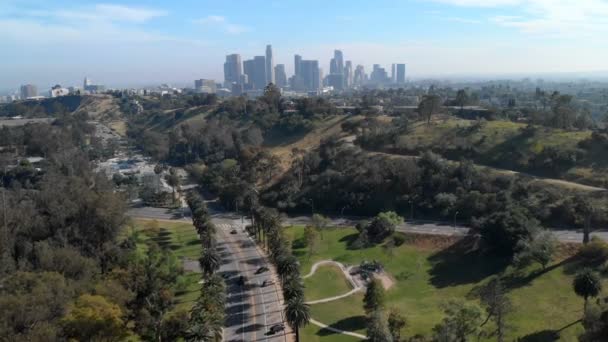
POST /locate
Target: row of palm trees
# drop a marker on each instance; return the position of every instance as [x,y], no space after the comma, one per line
[269,233]
[207,315]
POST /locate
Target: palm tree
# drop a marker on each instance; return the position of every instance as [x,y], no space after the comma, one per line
[288,266]
[293,287]
[297,314]
[209,261]
[587,283]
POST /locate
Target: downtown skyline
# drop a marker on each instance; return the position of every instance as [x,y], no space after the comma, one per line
[137,42]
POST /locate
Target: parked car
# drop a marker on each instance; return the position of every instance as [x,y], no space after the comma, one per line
[261,270]
[267,283]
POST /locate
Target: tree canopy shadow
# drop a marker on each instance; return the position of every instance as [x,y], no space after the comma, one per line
[541,336]
[462,263]
[350,240]
[347,324]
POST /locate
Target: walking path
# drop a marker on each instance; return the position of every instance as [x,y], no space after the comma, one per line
[357,285]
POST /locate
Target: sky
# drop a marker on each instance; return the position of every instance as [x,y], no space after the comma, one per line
[137,42]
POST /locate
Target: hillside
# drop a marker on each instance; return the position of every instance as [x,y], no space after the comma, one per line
[539,151]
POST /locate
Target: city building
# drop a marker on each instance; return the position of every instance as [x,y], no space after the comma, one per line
[297,59]
[28,91]
[378,75]
[336,81]
[359,77]
[92,88]
[205,86]
[270,75]
[233,69]
[57,91]
[255,69]
[336,65]
[348,74]
[310,75]
[280,75]
[400,74]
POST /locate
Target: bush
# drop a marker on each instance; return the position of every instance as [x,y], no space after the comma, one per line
[595,252]
[398,240]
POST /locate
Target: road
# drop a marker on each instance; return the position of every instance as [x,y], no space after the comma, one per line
[251,309]
[420,227]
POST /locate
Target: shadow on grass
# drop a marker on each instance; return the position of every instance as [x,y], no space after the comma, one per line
[348,324]
[350,240]
[462,263]
[541,336]
[520,279]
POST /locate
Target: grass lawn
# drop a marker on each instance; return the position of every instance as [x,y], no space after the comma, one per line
[427,278]
[182,240]
[328,281]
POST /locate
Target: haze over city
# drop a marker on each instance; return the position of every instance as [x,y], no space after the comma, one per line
[148,42]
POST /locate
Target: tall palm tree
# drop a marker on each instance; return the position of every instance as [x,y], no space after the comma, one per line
[288,266]
[210,261]
[293,287]
[297,314]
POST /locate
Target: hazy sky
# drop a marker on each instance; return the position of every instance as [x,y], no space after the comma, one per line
[133,42]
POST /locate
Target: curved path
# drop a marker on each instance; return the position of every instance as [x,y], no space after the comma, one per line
[356,288]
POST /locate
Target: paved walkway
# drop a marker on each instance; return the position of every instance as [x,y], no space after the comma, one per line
[357,285]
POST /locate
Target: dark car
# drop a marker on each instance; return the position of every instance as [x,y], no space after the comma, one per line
[276,328]
[261,270]
[267,283]
[242,281]
[233,231]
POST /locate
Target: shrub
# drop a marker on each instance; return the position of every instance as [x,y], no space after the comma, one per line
[595,252]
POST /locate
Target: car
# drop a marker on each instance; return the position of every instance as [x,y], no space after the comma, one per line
[233,231]
[267,283]
[276,328]
[261,270]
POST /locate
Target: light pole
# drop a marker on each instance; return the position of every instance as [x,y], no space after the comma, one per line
[456,213]
[312,206]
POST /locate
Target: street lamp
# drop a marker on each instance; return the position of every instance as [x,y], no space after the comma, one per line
[456,213]
[312,206]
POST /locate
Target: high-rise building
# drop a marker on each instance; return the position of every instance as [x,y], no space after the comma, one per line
[28,90]
[400,74]
[280,75]
[379,75]
[233,69]
[393,73]
[297,59]
[269,65]
[205,86]
[359,77]
[336,81]
[311,75]
[348,74]
[87,83]
[336,65]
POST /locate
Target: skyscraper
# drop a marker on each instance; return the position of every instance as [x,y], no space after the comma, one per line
[233,69]
[269,65]
[310,74]
[249,69]
[393,73]
[259,73]
[400,74]
[348,74]
[280,75]
[28,90]
[378,75]
[359,77]
[336,65]
[297,59]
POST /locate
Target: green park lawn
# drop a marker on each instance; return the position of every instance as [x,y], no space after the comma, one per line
[181,239]
[426,278]
[328,281]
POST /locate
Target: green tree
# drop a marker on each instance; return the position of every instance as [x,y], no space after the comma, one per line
[173,180]
[297,314]
[428,106]
[587,283]
[462,320]
[311,238]
[373,299]
[378,329]
[396,323]
[94,318]
[540,248]
[494,298]
[462,99]
[320,223]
